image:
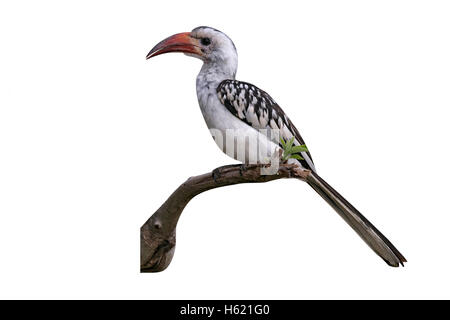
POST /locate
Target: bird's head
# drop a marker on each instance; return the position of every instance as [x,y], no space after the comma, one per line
[205,43]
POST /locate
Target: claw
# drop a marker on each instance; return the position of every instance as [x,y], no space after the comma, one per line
[242,168]
[284,170]
[216,174]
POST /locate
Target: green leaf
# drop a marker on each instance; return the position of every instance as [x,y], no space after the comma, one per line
[283,143]
[291,151]
[290,143]
[285,155]
[296,156]
[297,149]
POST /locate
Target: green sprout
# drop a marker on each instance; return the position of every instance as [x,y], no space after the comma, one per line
[290,151]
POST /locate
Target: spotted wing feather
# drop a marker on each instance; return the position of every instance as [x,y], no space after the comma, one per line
[256,108]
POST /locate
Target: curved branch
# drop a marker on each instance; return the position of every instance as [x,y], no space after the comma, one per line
[158,233]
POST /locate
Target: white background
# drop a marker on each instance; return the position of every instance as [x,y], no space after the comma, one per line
[93,138]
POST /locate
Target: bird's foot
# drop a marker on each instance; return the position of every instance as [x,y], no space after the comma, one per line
[242,168]
[216,174]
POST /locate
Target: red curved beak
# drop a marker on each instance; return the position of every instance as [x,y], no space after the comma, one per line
[180,42]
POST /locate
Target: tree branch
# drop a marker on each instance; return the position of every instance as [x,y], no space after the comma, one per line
[158,233]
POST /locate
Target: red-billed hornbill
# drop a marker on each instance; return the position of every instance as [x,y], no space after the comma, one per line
[229,104]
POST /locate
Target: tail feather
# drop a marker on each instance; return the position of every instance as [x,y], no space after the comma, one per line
[363,227]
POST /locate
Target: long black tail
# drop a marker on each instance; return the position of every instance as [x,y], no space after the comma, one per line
[366,230]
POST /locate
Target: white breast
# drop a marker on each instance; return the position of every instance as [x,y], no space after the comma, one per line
[233,136]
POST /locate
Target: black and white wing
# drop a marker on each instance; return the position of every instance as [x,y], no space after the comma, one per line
[256,108]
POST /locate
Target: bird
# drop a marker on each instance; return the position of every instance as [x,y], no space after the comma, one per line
[228,105]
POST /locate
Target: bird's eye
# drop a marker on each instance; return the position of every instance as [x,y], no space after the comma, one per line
[205,41]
